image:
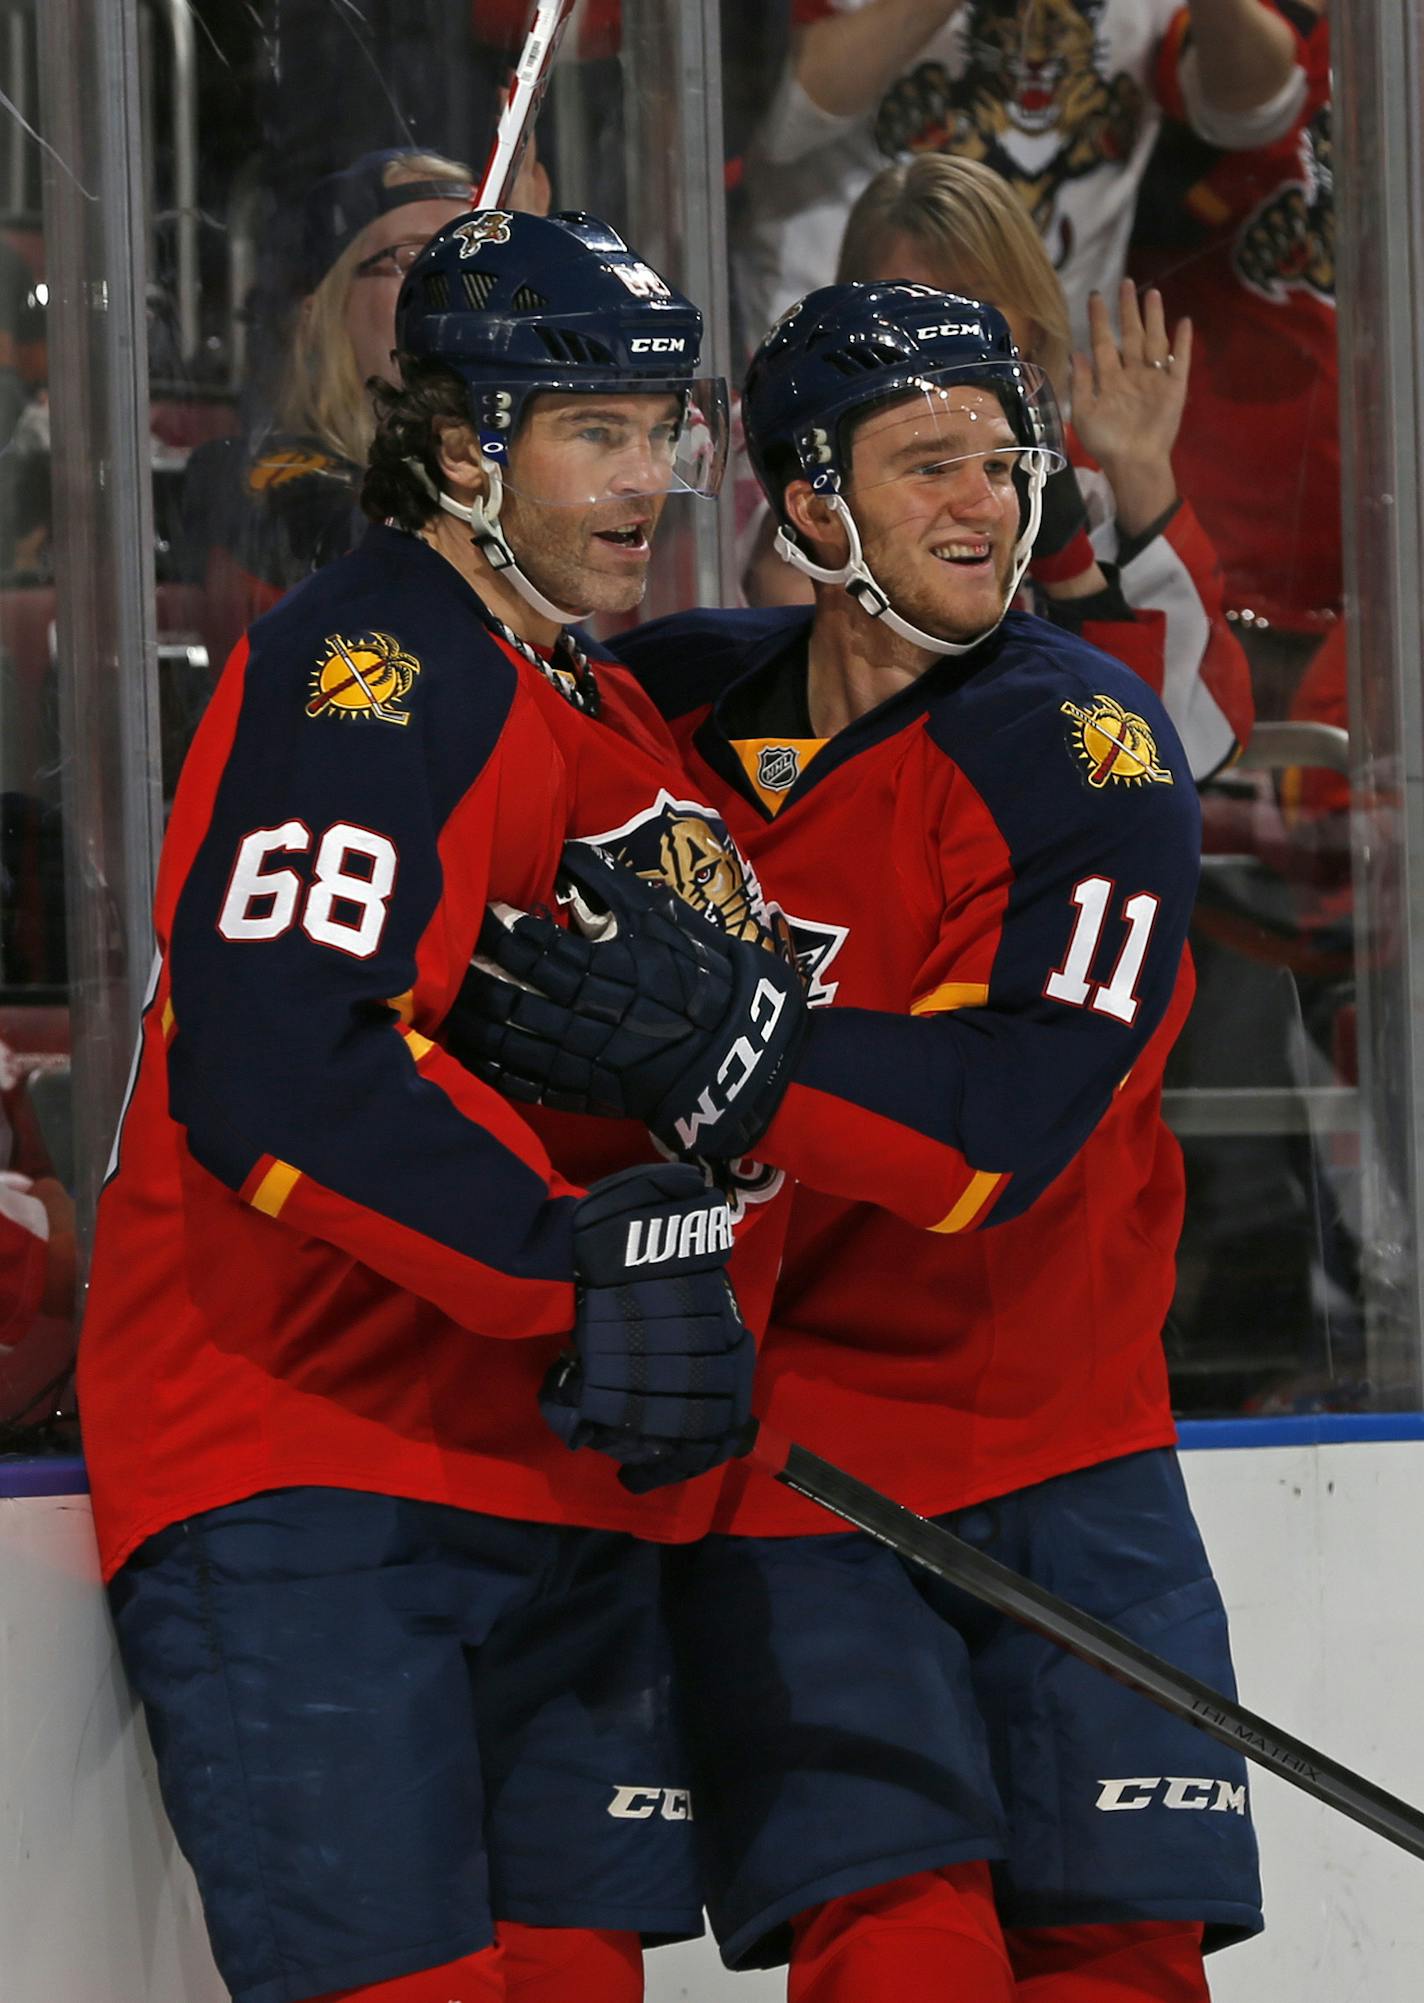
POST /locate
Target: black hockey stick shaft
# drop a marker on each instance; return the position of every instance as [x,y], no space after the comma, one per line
[939,1551]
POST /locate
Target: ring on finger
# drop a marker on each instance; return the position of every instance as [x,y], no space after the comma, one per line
[1163,365]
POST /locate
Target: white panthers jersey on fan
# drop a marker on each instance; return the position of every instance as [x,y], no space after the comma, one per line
[1056,95]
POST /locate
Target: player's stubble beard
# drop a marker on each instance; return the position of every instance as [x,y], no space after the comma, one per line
[557,551]
[926,599]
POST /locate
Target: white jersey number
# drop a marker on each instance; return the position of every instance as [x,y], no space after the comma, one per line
[344,907]
[1073,983]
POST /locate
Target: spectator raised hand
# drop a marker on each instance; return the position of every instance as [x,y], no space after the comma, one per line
[1128,398]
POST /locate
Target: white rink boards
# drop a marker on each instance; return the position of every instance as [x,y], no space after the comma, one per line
[1317,1548]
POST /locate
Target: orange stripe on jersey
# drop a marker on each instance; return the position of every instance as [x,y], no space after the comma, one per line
[774,764]
[275,1187]
[981,1188]
[952,994]
[168,1021]
[420,1046]
[404,1005]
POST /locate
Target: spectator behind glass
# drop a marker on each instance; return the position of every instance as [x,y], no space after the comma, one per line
[1120,557]
[1057,96]
[1053,94]
[1244,241]
[37,1251]
[264,512]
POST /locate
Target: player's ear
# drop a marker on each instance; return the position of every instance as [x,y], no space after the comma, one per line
[822,532]
[457,453]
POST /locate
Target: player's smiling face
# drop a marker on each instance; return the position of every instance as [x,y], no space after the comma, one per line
[588,478]
[932,492]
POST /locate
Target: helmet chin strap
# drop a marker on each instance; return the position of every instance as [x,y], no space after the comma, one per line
[856,576]
[489,539]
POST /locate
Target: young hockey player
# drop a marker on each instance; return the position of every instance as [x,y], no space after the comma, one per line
[398,1646]
[983,835]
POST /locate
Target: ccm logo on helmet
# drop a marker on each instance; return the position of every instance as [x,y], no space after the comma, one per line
[640,1804]
[738,1064]
[1172,1792]
[945,327]
[658,344]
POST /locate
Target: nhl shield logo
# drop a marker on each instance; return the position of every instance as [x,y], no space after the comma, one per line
[778,767]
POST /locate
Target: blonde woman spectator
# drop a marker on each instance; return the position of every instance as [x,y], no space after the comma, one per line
[265,512]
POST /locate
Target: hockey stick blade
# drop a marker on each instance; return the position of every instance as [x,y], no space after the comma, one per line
[938,1550]
[521,106]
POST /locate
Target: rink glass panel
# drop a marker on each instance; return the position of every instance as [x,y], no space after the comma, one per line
[166,247]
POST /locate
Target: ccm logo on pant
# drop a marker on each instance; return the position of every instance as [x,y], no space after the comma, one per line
[738,1064]
[640,1804]
[1172,1792]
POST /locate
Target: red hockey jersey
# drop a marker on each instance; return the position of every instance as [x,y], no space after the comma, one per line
[325,1253]
[988,879]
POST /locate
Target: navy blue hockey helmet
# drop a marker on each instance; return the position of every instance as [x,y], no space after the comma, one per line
[846,349]
[517,304]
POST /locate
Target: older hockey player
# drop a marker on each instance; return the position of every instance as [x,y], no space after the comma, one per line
[983,835]
[397,1645]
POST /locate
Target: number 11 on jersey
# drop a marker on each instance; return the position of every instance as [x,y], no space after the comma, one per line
[1073,982]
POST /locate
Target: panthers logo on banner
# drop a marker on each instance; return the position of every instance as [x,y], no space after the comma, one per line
[1288,245]
[1034,74]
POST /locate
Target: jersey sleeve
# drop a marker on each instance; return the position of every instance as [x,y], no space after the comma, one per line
[1179,92]
[1167,78]
[331,873]
[1067,899]
[1176,636]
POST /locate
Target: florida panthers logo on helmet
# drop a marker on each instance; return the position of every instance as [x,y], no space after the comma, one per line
[489,226]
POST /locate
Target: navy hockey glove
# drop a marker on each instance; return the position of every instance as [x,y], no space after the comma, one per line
[646,1011]
[661,1374]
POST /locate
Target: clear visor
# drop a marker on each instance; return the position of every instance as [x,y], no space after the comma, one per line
[970,428]
[584,449]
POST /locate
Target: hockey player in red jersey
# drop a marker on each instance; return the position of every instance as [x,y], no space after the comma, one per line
[398,1646]
[983,837]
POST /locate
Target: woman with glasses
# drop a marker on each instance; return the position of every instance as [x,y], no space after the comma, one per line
[264,511]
